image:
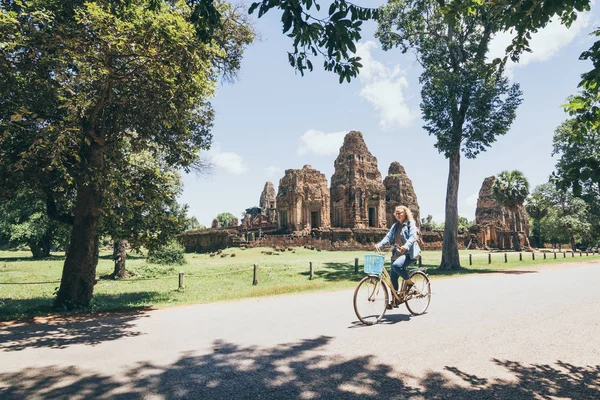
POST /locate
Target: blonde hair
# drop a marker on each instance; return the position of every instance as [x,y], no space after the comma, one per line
[407,212]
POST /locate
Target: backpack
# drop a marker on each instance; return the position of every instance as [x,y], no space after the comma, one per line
[419,237]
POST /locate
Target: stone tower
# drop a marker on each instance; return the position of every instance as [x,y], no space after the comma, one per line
[496,223]
[399,191]
[357,194]
[268,197]
[303,200]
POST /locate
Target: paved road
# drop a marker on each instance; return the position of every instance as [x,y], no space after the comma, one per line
[532,334]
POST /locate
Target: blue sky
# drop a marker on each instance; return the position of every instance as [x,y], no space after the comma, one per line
[272,119]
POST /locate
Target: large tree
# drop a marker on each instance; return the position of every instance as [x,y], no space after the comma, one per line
[466,101]
[142,208]
[567,218]
[79,78]
[510,190]
[24,221]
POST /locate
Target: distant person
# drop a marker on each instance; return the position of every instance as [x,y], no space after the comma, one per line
[403,235]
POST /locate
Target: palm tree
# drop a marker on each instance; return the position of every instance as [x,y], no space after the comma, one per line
[510,190]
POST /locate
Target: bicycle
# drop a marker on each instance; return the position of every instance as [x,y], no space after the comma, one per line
[371,296]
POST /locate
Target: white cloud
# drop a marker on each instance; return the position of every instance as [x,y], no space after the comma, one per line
[384,88]
[228,161]
[274,171]
[545,44]
[321,143]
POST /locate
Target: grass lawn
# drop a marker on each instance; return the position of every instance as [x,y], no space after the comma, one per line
[27,286]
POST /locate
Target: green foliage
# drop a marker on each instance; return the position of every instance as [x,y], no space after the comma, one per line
[83,85]
[510,188]
[193,224]
[428,224]
[24,221]
[520,18]
[152,271]
[143,207]
[466,101]
[579,152]
[464,224]
[567,216]
[225,219]
[333,36]
[171,253]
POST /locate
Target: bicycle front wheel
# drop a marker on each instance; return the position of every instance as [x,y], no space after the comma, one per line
[370,300]
[417,300]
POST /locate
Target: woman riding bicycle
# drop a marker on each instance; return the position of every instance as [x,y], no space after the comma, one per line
[403,235]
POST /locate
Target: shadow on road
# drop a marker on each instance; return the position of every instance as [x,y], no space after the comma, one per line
[61,332]
[297,371]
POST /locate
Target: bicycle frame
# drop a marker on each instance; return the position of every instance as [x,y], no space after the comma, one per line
[385,278]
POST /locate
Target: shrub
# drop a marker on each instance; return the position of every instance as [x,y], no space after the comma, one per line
[170,254]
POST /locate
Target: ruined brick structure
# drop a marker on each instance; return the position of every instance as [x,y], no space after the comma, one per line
[268,203]
[349,215]
[399,191]
[303,200]
[357,193]
[268,197]
[498,226]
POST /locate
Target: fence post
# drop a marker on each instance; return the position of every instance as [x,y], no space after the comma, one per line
[555,255]
[505,258]
[489,258]
[180,280]
[544,256]
[520,256]
[533,256]
[580,253]
[564,254]
[311,271]
[420,262]
[470,259]
[255,277]
[356,265]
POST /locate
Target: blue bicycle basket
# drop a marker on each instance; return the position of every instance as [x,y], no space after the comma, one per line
[374,263]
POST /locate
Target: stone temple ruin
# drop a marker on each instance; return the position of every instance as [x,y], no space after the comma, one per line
[498,226]
[399,192]
[357,194]
[354,213]
[303,200]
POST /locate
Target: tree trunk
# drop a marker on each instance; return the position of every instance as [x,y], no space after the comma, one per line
[79,270]
[450,257]
[36,249]
[120,254]
[572,239]
[516,241]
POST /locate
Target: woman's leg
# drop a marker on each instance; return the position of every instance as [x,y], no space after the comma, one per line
[399,269]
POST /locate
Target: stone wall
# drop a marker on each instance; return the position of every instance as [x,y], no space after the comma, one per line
[206,240]
[303,200]
[357,193]
[332,239]
[399,191]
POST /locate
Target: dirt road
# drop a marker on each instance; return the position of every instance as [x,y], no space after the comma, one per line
[519,335]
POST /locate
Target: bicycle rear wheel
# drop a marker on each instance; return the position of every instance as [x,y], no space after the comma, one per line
[370,300]
[417,301]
